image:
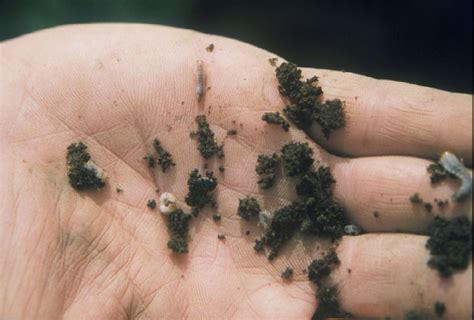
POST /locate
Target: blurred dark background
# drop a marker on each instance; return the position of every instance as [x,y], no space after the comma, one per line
[428,42]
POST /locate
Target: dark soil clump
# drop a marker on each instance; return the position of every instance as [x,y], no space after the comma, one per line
[319,269]
[248,207]
[439,308]
[259,244]
[81,170]
[316,184]
[328,304]
[164,157]
[273,61]
[417,315]
[231,132]
[416,199]
[200,188]
[438,172]
[276,118]
[266,167]
[284,225]
[296,158]
[287,274]
[210,47]
[178,225]
[330,116]
[441,203]
[314,212]
[151,204]
[306,106]
[151,161]
[428,206]
[450,244]
[207,144]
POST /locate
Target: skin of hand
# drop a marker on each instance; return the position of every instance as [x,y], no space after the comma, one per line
[103,255]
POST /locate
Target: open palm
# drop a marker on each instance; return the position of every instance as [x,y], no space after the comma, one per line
[104,255]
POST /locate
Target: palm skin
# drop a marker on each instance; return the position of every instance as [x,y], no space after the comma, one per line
[103,255]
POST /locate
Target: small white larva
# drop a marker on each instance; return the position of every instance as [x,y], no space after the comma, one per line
[352,230]
[199,81]
[99,172]
[265,219]
[452,164]
[167,203]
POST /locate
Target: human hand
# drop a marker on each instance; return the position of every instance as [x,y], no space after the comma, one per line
[101,255]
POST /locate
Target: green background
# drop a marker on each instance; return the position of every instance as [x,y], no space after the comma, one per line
[424,42]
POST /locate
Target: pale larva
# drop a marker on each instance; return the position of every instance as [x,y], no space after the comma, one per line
[265,219]
[199,81]
[352,230]
[167,203]
[452,164]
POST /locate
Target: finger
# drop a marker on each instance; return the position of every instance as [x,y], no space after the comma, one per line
[389,276]
[394,118]
[377,190]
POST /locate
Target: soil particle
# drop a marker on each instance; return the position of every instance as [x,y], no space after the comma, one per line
[276,118]
[266,168]
[416,199]
[151,161]
[248,207]
[259,244]
[151,204]
[287,274]
[210,47]
[439,308]
[438,172]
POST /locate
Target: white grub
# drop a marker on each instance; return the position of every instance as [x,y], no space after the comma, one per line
[167,203]
[265,219]
[200,81]
[352,230]
[452,164]
[99,172]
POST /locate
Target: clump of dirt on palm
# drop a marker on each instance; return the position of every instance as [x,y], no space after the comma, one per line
[178,226]
[276,118]
[306,106]
[266,168]
[314,212]
[200,190]
[296,158]
[207,144]
[164,157]
[438,172]
[287,274]
[450,244]
[327,295]
[319,269]
[82,171]
[248,207]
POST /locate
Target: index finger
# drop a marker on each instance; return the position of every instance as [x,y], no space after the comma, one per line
[394,118]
